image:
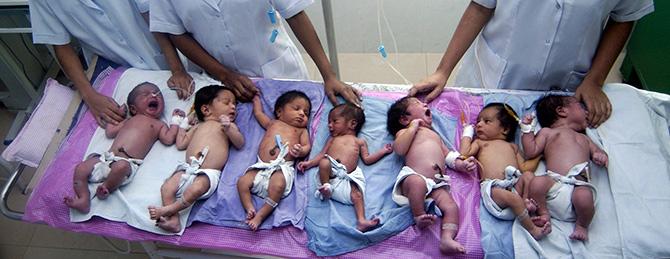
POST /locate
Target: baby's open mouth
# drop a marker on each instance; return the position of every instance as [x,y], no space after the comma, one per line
[427,112]
[153,104]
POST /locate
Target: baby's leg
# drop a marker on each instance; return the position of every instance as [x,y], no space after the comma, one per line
[170,221]
[120,170]
[82,199]
[325,171]
[414,188]
[244,185]
[505,199]
[539,187]
[450,219]
[522,187]
[582,200]
[275,193]
[363,224]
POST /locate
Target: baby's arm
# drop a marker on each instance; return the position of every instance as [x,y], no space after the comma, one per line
[373,158]
[404,138]
[525,165]
[112,129]
[469,147]
[533,145]
[184,136]
[304,165]
[301,149]
[168,134]
[261,117]
[232,132]
[597,155]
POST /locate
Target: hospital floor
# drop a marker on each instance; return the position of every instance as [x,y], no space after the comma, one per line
[22,240]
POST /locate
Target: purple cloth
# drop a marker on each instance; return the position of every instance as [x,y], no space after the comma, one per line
[46,205]
[223,208]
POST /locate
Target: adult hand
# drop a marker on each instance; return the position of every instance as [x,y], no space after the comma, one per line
[334,87]
[597,103]
[241,85]
[182,83]
[104,109]
[433,84]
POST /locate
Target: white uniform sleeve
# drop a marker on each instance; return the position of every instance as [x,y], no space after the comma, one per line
[47,28]
[164,18]
[490,4]
[289,8]
[142,5]
[626,10]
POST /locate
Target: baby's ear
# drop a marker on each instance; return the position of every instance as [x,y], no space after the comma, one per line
[561,111]
[353,123]
[204,110]
[132,109]
[404,120]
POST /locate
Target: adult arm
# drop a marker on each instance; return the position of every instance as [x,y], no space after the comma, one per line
[241,85]
[590,90]
[104,108]
[304,30]
[180,80]
[473,20]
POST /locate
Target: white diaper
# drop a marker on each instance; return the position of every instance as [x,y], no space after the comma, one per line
[406,171]
[102,169]
[192,170]
[340,185]
[511,177]
[559,197]
[265,170]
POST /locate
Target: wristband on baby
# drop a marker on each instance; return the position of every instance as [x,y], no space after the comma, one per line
[468,131]
[176,120]
[528,128]
[184,124]
[450,160]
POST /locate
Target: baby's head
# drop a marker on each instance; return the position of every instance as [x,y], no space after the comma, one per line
[147,99]
[293,108]
[557,108]
[213,101]
[345,119]
[497,121]
[404,111]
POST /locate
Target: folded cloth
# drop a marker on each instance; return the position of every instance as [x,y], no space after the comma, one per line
[192,170]
[266,169]
[406,171]
[559,197]
[102,169]
[341,184]
[511,177]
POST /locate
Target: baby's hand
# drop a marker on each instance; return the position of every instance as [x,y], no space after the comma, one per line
[388,148]
[296,150]
[600,158]
[466,165]
[225,122]
[178,112]
[527,119]
[415,123]
[302,166]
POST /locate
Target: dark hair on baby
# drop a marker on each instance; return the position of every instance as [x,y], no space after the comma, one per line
[397,110]
[288,97]
[546,109]
[130,100]
[350,112]
[205,96]
[507,117]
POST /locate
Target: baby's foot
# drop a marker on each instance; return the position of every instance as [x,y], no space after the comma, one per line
[540,220]
[450,246]
[422,221]
[157,212]
[580,233]
[531,206]
[325,191]
[366,225]
[540,232]
[80,204]
[251,213]
[102,192]
[254,223]
[169,223]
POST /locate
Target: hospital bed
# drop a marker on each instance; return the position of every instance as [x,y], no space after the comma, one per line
[632,192]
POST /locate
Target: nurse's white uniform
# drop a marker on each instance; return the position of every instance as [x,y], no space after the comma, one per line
[541,44]
[112,29]
[237,33]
